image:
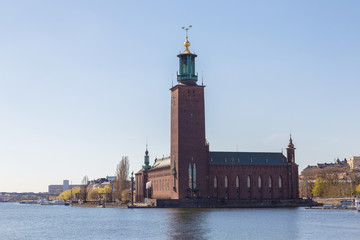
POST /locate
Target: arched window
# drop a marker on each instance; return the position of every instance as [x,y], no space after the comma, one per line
[237,182]
[248,182]
[270,182]
[226,182]
[259,182]
[194,176]
[280,182]
[190,176]
[215,182]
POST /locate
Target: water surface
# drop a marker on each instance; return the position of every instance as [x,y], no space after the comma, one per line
[18,221]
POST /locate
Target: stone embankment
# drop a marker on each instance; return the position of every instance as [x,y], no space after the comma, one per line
[208,203]
[335,201]
[106,205]
[218,203]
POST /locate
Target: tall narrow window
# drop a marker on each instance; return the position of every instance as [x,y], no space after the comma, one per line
[226,182]
[237,182]
[259,182]
[190,176]
[194,176]
[270,182]
[215,182]
[280,182]
[248,182]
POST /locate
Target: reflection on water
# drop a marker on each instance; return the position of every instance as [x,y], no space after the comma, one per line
[188,224]
[34,222]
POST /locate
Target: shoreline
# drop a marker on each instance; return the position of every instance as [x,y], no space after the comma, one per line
[208,203]
[95,205]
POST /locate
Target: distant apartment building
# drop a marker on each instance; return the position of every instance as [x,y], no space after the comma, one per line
[314,171]
[101,182]
[337,163]
[354,162]
[96,183]
[66,185]
[61,188]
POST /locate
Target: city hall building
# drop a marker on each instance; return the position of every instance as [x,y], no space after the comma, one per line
[192,171]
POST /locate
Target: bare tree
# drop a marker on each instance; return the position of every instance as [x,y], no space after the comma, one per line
[121,181]
[84,188]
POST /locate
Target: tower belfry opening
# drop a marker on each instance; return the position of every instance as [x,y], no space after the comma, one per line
[186,74]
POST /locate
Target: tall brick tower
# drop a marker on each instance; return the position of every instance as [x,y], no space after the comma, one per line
[189,152]
[293,170]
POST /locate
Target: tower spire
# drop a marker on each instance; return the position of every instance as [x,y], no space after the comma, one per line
[187,43]
[291,145]
[290,150]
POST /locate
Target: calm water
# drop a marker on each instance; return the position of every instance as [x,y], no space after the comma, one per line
[60,222]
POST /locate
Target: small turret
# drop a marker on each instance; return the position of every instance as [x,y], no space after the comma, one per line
[290,150]
[146,160]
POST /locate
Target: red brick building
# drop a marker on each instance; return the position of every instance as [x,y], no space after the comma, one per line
[192,171]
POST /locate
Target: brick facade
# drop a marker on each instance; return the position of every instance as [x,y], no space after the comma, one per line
[192,173]
[188,143]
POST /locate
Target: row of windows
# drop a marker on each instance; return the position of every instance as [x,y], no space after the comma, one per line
[160,185]
[237,182]
[238,160]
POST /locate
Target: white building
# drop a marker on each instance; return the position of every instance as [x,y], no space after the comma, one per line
[354,162]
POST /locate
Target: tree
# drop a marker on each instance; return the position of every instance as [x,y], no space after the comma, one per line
[358,189]
[105,193]
[355,181]
[66,195]
[305,187]
[126,195]
[84,191]
[94,194]
[121,181]
[319,188]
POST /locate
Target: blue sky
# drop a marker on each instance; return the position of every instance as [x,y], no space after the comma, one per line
[84,83]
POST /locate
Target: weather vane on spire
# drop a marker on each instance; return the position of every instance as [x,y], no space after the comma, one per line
[187,29]
[187,43]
